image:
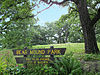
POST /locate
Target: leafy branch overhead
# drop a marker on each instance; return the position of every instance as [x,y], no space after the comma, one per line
[12,10]
[53,2]
[16,21]
[90,3]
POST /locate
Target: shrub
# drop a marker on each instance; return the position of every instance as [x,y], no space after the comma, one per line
[15,70]
[40,69]
[88,57]
[68,65]
[10,59]
[2,65]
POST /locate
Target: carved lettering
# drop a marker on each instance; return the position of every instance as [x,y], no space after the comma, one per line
[18,52]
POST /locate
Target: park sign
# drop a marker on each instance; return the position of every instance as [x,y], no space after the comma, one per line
[37,52]
[55,51]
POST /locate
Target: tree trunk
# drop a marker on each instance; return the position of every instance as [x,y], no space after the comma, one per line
[88,29]
[90,40]
[66,34]
[59,38]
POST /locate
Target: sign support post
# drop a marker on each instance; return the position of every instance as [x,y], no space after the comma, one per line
[25,64]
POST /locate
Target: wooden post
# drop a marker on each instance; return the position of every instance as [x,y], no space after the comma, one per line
[52,56]
[25,65]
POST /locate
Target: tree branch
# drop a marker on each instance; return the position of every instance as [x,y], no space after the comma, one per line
[54,2]
[18,17]
[73,9]
[15,18]
[0,19]
[43,9]
[51,2]
[96,18]
[13,4]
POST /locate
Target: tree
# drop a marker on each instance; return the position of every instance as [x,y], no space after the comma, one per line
[18,35]
[87,23]
[70,25]
[51,31]
[16,19]
[39,35]
[64,30]
[56,32]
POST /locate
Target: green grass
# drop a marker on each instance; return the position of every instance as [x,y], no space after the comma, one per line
[70,47]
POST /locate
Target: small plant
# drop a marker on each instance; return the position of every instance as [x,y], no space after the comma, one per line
[2,65]
[68,65]
[10,60]
[34,69]
[49,70]
[40,69]
[15,70]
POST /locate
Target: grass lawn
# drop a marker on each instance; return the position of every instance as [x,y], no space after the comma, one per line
[70,47]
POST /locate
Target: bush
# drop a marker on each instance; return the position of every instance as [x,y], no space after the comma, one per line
[88,57]
[40,69]
[15,70]
[2,65]
[68,65]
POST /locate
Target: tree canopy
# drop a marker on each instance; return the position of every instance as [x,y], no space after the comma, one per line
[16,19]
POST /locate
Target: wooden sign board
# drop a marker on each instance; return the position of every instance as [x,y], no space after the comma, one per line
[37,60]
[55,51]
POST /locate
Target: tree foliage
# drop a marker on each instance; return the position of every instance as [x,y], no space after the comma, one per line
[16,20]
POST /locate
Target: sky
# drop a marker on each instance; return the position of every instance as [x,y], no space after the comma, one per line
[51,14]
